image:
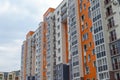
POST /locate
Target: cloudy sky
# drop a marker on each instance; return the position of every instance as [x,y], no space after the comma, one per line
[17,17]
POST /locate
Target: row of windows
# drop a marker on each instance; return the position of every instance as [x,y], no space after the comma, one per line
[98,42]
[75,53]
[101,54]
[74,42]
[97,29]
[96,17]
[102,62]
[95,6]
[102,68]
[104,75]
[76,63]
[76,74]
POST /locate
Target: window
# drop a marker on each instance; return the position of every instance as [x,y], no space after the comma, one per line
[91,29]
[59,58]
[84,6]
[94,63]
[85,36]
[85,47]
[113,35]
[87,70]
[93,51]
[111,23]
[58,20]
[83,18]
[88,57]
[59,42]
[59,50]
[58,26]
[58,34]
[58,13]
[89,12]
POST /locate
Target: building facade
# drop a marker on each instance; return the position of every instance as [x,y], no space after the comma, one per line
[77,40]
[14,75]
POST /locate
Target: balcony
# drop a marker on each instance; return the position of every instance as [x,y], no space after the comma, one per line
[63,10]
[113,38]
[110,25]
[116,66]
[114,52]
[106,2]
[64,17]
[109,13]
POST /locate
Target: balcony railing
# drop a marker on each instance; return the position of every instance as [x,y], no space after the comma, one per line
[110,25]
[116,66]
[114,52]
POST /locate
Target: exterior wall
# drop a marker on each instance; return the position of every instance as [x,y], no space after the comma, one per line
[112,11]
[62,45]
[62,72]
[61,33]
[39,52]
[15,75]
[23,61]
[87,40]
[1,76]
[49,24]
[29,64]
[100,39]
[82,34]
[74,41]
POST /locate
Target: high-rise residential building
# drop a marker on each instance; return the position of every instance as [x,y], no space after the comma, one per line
[49,24]
[40,54]
[28,58]
[105,18]
[62,46]
[82,52]
[77,40]
[23,61]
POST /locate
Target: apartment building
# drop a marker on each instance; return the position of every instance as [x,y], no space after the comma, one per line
[49,24]
[28,58]
[40,58]
[106,29]
[62,46]
[14,75]
[77,40]
[1,76]
[23,61]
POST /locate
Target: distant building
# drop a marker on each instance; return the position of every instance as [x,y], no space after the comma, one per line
[15,75]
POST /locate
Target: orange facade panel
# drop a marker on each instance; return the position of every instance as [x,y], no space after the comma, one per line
[86,23]
[30,33]
[47,12]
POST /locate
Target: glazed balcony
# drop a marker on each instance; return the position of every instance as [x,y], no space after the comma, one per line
[116,66]
[114,52]
[109,13]
[113,38]
[64,17]
[111,25]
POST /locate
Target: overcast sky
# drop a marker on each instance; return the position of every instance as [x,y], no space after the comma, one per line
[17,17]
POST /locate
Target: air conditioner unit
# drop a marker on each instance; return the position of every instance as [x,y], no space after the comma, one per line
[115,2]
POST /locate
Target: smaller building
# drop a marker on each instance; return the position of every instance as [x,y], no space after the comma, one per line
[15,75]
